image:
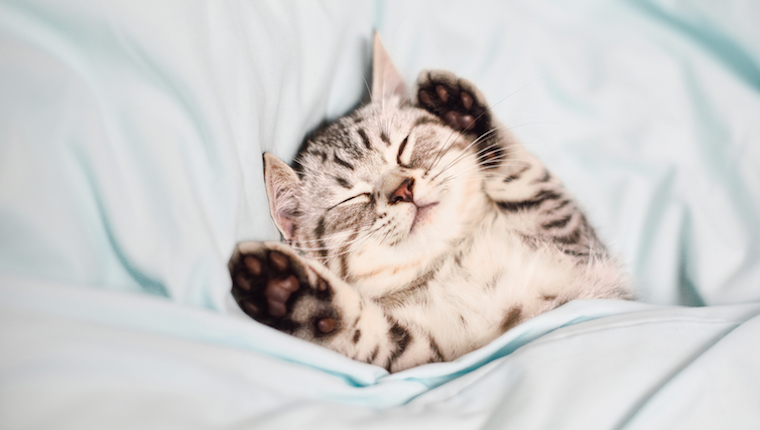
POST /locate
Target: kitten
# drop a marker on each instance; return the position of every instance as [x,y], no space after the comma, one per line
[417,230]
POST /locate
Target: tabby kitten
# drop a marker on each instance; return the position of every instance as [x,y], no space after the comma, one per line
[417,230]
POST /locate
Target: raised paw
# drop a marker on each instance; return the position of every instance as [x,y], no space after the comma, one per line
[275,287]
[456,101]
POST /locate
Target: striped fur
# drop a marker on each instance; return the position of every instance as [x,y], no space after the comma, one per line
[433,230]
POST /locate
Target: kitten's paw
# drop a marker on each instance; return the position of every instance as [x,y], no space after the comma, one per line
[276,287]
[456,101]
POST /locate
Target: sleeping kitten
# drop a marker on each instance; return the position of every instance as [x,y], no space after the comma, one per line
[417,230]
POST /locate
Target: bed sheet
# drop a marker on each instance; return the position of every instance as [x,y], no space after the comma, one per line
[79,358]
[131,136]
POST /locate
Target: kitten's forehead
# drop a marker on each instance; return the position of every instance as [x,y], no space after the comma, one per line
[360,140]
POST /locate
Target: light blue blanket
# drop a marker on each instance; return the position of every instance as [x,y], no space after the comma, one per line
[131,136]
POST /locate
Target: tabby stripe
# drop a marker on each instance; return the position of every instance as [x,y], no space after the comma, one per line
[401,338]
[319,153]
[373,355]
[343,162]
[437,355]
[512,318]
[384,137]
[558,223]
[531,241]
[343,183]
[365,138]
[561,205]
[402,296]
[422,280]
[531,203]
[511,178]
[458,259]
[344,256]
[570,239]
[319,232]
[572,253]
[517,175]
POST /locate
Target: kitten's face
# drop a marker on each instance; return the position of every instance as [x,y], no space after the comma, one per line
[384,185]
[381,188]
[387,186]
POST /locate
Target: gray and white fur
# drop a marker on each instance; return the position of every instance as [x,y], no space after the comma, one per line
[417,230]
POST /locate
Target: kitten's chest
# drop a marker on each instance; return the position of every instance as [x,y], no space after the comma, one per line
[493,275]
[502,266]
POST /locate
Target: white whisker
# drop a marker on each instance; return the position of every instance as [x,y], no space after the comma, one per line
[464,151]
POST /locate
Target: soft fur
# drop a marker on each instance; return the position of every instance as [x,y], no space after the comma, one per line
[417,230]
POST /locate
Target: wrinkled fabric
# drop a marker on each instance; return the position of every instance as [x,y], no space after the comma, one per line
[131,136]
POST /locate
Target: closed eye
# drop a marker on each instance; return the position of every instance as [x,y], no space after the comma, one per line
[401,152]
[359,198]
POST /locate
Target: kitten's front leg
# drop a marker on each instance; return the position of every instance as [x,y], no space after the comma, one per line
[522,188]
[270,285]
[512,174]
[279,288]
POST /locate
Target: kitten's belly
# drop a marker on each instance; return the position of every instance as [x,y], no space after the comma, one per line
[469,304]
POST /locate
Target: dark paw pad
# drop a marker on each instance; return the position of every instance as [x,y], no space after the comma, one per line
[268,284]
[453,100]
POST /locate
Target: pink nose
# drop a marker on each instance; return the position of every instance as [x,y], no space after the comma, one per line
[403,193]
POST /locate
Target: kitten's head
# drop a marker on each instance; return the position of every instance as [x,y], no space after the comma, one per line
[386,186]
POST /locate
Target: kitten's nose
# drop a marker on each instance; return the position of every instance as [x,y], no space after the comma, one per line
[403,193]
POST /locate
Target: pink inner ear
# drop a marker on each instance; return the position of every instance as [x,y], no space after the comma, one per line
[285,223]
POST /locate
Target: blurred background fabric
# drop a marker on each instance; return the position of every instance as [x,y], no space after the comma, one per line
[131,135]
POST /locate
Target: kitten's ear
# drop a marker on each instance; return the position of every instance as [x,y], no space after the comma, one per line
[386,80]
[282,184]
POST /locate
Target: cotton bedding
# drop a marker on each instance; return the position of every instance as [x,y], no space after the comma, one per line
[131,136]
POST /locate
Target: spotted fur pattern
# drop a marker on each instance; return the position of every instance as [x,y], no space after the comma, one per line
[417,230]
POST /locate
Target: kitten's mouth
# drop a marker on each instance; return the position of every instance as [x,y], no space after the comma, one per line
[421,214]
